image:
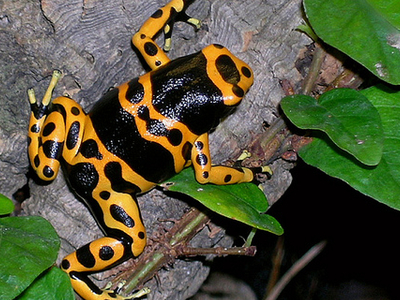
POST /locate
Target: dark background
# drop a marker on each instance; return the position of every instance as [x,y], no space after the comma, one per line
[360,260]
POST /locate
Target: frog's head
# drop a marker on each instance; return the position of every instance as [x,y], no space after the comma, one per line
[232,76]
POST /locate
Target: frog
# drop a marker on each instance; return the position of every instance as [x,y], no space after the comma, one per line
[136,136]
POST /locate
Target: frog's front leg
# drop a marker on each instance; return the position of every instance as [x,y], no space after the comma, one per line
[45,146]
[221,175]
[162,18]
[54,131]
[119,217]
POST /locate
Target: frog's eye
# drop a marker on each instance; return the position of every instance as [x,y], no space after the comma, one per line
[232,76]
[227,68]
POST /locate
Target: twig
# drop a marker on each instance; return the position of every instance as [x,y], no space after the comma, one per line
[296,268]
[219,251]
[278,255]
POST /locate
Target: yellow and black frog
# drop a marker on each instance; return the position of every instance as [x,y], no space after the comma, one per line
[136,136]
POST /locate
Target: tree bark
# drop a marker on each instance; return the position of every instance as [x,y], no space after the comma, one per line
[89,41]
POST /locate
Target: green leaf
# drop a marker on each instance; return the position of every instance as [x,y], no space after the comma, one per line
[243,202]
[347,116]
[6,205]
[28,246]
[53,284]
[381,182]
[366,30]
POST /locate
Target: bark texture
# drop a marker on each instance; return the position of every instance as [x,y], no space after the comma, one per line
[89,41]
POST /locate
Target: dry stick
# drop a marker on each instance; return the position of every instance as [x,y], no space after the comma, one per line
[175,246]
[296,268]
[271,141]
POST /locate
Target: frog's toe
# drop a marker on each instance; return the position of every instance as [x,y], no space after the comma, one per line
[195,22]
[181,17]
[261,174]
[144,291]
[115,293]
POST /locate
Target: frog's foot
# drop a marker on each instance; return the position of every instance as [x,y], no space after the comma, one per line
[140,293]
[261,174]
[144,291]
[47,96]
[245,154]
[181,17]
[40,109]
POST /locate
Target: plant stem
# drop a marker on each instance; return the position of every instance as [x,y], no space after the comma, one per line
[199,219]
[309,81]
[143,271]
[249,239]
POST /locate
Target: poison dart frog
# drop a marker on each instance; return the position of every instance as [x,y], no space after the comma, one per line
[136,136]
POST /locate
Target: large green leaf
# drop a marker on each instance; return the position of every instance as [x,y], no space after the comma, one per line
[53,284]
[28,246]
[347,116]
[366,30]
[381,182]
[243,202]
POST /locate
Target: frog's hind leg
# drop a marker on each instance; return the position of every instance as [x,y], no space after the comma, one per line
[92,257]
[162,18]
[119,217]
[182,17]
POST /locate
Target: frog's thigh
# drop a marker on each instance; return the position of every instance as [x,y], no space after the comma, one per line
[126,238]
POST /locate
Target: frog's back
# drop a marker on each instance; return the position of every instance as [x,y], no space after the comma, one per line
[152,121]
[119,131]
[183,91]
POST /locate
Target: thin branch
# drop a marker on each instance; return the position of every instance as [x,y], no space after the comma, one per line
[296,268]
[277,259]
[219,251]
